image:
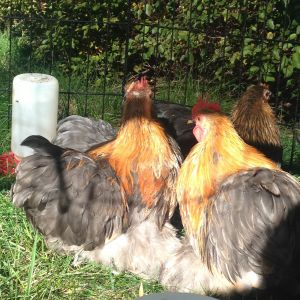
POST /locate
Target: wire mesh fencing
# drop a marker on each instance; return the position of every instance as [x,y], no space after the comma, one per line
[186,48]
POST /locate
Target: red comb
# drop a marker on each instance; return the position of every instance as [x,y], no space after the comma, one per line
[204,106]
[142,83]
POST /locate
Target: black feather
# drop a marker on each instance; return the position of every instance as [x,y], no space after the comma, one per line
[42,145]
[177,121]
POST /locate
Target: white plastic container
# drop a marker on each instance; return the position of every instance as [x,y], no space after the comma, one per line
[34,109]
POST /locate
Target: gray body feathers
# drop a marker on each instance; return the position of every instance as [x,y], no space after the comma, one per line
[252,238]
[79,133]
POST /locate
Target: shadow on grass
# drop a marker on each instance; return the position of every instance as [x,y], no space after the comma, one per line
[6,182]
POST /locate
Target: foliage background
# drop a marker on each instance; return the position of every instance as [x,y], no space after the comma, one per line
[240,41]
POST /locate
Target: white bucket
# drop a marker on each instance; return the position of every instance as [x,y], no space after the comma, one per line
[34,109]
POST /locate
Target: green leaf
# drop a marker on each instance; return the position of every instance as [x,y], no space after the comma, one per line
[284,62]
[96,7]
[287,46]
[288,71]
[139,13]
[293,36]
[95,26]
[148,9]
[235,57]
[183,35]
[261,16]
[276,54]
[154,30]
[146,29]
[161,48]
[269,78]
[73,43]
[269,7]
[296,59]
[227,49]
[114,19]
[149,52]
[254,70]
[289,82]
[298,29]
[248,40]
[137,68]
[218,73]
[270,24]
[191,58]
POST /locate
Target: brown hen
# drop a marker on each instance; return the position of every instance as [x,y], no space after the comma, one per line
[255,121]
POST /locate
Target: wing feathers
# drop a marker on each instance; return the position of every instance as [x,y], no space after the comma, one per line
[81,133]
[68,195]
[253,224]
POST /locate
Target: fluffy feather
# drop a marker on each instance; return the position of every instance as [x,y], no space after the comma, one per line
[241,215]
[81,134]
[68,196]
[113,203]
[144,157]
[255,122]
[176,120]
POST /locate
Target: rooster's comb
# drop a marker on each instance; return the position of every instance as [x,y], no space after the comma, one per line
[204,106]
[141,83]
[136,85]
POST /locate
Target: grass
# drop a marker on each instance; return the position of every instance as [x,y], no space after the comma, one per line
[28,270]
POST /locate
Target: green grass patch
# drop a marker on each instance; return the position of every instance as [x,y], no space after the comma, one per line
[28,270]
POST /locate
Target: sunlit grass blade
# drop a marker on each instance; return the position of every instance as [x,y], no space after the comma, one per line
[32,263]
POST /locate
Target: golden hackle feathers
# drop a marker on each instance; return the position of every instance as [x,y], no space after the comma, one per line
[220,154]
[126,156]
[254,118]
[142,155]
[141,147]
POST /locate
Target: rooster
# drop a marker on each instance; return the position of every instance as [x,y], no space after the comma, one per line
[113,203]
[255,122]
[240,212]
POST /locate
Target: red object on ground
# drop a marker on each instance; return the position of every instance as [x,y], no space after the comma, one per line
[8,163]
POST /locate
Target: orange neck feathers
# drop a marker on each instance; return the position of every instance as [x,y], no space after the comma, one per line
[141,156]
[221,153]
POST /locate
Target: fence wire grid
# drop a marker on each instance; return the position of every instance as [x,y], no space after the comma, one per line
[186,48]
